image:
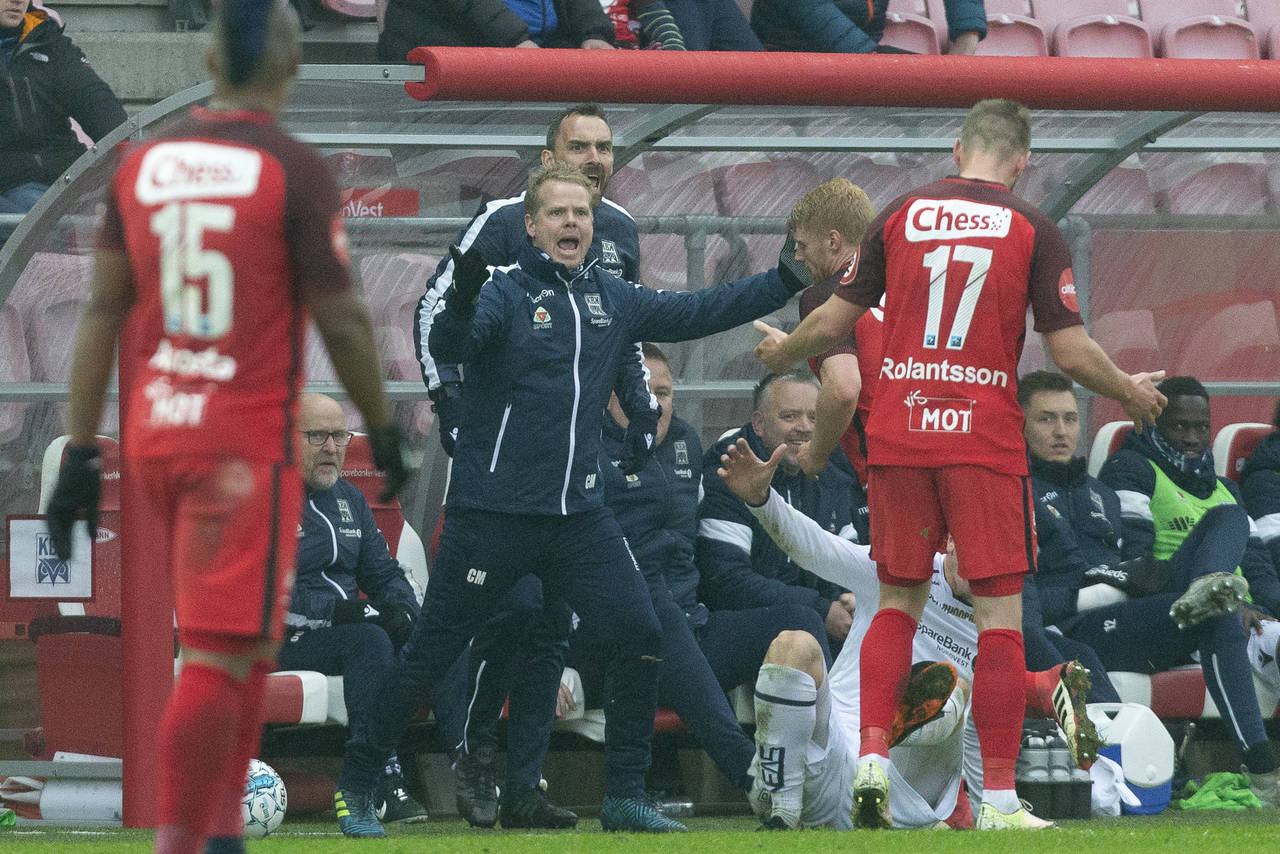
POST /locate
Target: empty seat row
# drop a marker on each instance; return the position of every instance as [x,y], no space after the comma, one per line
[1164,28]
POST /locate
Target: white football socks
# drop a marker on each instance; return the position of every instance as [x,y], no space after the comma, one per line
[786,713]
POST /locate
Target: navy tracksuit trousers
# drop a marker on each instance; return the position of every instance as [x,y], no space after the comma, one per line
[1138,635]
[581,559]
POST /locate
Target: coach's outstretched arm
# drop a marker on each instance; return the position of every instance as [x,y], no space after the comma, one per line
[1084,361]
[825,326]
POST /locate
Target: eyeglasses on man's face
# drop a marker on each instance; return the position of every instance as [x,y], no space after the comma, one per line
[341,438]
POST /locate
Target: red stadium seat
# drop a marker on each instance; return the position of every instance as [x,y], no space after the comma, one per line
[1233,445]
[1224,188]
[363,9]
[1199,29]
[1264,17]
[907,26]
[1124,190]
[1240,342]
[1013,35]
[1106,442]
[15,367]
[1092,28]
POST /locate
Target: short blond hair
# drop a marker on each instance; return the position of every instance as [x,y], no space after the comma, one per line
[836,204]
[557,171]
[999,127]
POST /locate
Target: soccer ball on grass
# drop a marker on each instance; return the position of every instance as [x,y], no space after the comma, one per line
[264,801]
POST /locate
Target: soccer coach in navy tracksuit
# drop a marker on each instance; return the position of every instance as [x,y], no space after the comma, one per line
[542,344]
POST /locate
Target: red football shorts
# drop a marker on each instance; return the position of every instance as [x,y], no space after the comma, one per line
[232,527]
[988,513]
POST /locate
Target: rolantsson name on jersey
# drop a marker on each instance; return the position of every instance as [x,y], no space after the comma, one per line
[943,371]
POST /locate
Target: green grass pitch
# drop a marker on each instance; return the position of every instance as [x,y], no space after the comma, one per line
[1174,831]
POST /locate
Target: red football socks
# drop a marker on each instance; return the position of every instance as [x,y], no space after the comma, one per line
[999,699]
[198,732]
[885,667]
[228,819]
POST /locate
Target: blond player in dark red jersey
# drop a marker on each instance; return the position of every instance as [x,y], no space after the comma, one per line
[219,240]
[958,262]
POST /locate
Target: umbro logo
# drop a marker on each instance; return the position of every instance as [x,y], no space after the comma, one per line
[772,761]
[1265,659]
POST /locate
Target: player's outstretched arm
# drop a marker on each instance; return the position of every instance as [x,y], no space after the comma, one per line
[94,354]
[1084,361]
[826,325]
[826,555]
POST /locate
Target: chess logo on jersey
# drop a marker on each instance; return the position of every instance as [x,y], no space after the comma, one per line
[939,414]
[188,169]
[949,219]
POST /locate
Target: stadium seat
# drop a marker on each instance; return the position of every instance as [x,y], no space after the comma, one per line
[1233,445]
[1239,189]
[1106,442]
[1180,694]
[1013,35]
[1129,337]
[769,188]
[15,367]
[1240,342]
[907,26]
[393,282]
[1199,29]
[403,541]
[1124,190]
[363,9]
[1264,17]
[1092,28]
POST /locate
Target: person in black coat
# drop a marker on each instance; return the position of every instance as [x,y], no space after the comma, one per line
[48,81]
[493,23]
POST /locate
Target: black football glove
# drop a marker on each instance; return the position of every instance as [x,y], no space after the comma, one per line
[397,620]
[794,274]
[1137,577]
[77,491]
[391,456]
[638,441]
[447,405]
[470,272]
[354,611]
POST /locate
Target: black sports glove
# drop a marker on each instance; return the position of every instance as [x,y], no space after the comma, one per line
[638,441]
[447,405]
[78,488]
[1140,576]
[470,272]
[794,274]
[353,611]
[397,620]
[391,455]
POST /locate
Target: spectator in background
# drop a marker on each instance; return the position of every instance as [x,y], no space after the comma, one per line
[704,652]
[854,26]
[342,554]
[713,25]
[1124,609]
[645,24]
[740,566]
[493,23]
[49,82]
[1261,488]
